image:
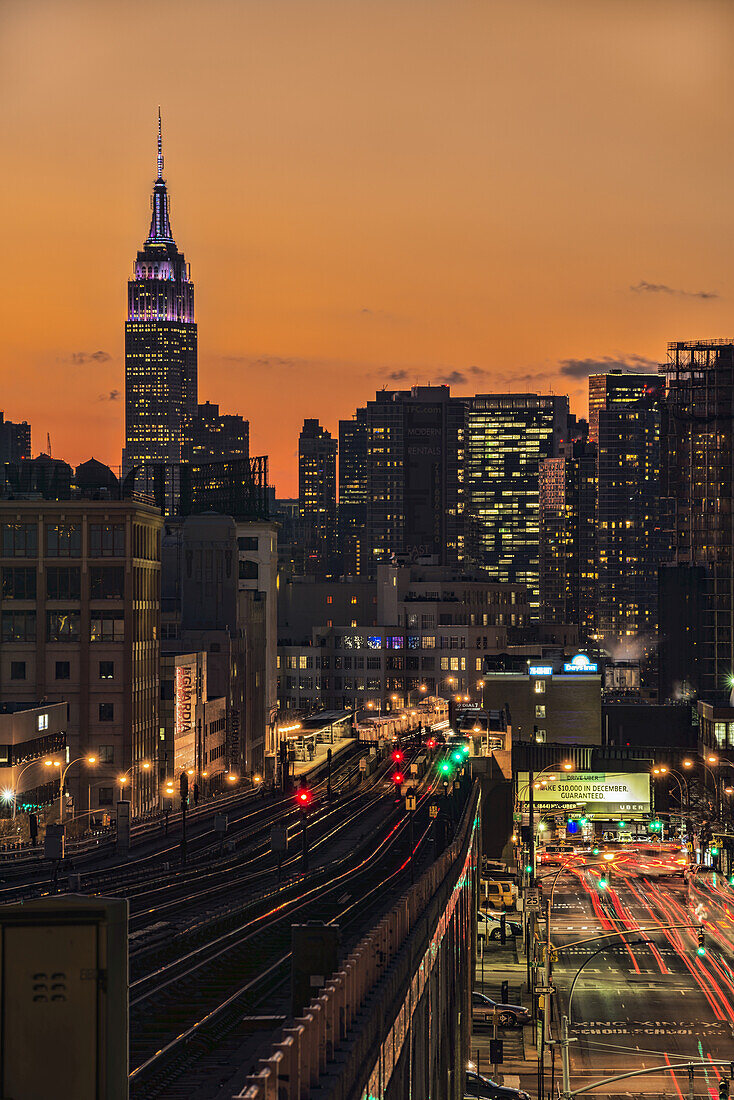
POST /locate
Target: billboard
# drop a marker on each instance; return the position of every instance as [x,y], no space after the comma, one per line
[597,792]
[184,722]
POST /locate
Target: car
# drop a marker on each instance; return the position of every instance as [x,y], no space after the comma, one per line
[492,894]
[479,1087]
[485,1011]
[490,925]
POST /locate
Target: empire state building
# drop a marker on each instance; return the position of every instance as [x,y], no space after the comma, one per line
[160,343]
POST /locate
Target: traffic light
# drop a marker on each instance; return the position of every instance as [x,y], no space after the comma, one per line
[196,794]
[723,1089]
[583,821]
[605,878]
[431,743]
[304,797]
[656,826]
[457,756]
[621,824]
[445,768]
[701,950]
[398,778]
[714,851]
[595,851]
[183,785]
[398,756]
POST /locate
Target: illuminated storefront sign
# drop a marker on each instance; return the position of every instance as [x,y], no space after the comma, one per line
[540,670]
[580,663]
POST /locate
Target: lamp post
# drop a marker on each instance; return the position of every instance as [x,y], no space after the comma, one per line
[128,775]
[480,687]
[57,764]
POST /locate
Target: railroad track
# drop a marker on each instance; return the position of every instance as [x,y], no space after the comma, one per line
[182,1013]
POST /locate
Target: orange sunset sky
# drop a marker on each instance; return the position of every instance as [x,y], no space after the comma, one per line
[369,192]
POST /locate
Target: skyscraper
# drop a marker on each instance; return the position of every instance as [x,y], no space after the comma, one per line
[317,492]
[217,437]
[617,387]
[568,539]
[698,465]
[160,343]
[414,490]
[629,544]
[353,493]
[506,437]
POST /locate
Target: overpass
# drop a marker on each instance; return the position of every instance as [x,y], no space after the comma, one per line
[395,1020]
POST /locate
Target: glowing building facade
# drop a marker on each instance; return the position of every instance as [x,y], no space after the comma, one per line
[160,343]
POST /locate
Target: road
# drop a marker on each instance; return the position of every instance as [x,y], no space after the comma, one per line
[639,1005]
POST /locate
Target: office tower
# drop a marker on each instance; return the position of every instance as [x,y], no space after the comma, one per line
[698,459]
[217,437]
[81,624]
[506,438]
[414,492]
[15,440]
[353,493]
[618,387]
[629,539]
[568,539]
[317,493]
[160,343]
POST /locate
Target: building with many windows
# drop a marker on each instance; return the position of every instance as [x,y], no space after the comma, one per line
[353,494]
[414,487]
[160,343]
[213,436]
[568,539]
[698,460]
[317,494]
[618,389]
[506,437]
[80,623]
[629,536]
[415,631]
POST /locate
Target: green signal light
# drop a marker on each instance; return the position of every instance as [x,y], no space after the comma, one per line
[457,756]
[446,768]
[583,821]
[700,950]
[595,851]
[603,884]
[714,851]
[528,868]
[621,824]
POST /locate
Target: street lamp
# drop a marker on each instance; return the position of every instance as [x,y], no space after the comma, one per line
[11,793]
[57,764]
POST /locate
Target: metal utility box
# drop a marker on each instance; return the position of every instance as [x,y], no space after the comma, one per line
[64,1007]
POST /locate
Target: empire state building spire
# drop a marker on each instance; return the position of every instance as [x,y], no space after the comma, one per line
[160,225]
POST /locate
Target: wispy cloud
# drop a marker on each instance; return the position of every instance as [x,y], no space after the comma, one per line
[397,375]
[113,395]
[79,358]
[582,368]
[643,287]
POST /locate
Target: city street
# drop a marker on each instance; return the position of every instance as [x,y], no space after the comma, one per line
[637,1005]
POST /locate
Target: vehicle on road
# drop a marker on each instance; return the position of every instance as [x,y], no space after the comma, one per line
[479,1087]
[555,853]
[485,1011]
[492,894]
[489,925]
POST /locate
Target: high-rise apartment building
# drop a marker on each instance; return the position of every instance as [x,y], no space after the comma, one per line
[568,539]
[81,624]
[414,491]
[217,437]
[317,492]
[15,440]
[506,437]
[698,474]
[353,493]
[617,388]
[628,514]
[160,343]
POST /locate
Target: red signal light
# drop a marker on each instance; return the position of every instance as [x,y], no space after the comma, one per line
[430,743]
[303,798]
[398,756]
[398,779]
